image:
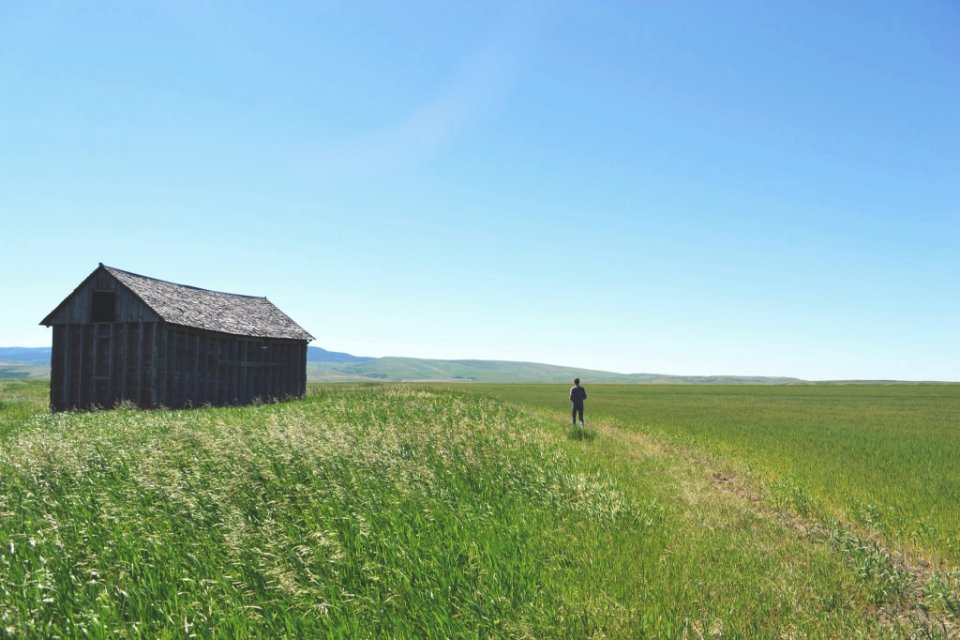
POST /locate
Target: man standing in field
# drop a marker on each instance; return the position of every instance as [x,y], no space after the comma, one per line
[577,395]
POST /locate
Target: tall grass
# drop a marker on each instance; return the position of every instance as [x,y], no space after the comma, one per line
[377,513]
[390,511]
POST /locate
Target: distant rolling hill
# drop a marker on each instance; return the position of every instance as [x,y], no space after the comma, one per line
[20,370]
[316,354]
[24,362]
[335,366]
[26,355]
[418,369]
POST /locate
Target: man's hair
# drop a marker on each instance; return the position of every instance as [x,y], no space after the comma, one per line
[576,381]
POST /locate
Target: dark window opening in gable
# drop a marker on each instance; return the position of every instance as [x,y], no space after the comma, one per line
[104,306]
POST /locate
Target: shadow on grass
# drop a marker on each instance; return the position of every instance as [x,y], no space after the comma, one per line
[580,433]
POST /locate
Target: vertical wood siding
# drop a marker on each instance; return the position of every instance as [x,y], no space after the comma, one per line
[156,365]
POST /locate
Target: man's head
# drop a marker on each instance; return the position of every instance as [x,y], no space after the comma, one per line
[576,381]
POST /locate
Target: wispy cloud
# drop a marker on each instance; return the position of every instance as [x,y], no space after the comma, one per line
[484,81]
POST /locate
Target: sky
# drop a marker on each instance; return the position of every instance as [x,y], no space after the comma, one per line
[742,188]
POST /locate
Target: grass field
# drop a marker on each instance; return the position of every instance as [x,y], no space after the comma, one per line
[887,456]
[413,511]
[870,470]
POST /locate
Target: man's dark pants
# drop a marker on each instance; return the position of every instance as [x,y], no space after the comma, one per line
[577,409]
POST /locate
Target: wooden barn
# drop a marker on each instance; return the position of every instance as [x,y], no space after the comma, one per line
[125,337]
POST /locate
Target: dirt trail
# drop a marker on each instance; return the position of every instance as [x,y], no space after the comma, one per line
[909,614]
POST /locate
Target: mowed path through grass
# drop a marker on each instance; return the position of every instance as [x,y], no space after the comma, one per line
[885,456]
[402,511]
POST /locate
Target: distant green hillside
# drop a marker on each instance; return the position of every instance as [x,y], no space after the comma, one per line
[22,370]
[417,369]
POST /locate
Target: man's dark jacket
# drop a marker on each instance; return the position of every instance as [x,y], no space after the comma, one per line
[578,394]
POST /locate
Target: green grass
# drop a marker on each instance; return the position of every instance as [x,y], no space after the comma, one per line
[887,456]
[21,400]
[411,512]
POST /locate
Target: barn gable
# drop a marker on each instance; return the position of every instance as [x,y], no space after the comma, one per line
[100,289]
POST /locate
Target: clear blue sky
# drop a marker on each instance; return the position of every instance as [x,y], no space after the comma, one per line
[693,187]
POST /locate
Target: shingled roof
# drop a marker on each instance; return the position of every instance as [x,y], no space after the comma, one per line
[188,306]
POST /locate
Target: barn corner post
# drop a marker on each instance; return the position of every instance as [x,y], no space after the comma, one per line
[124,338]
[56,373]
[302,390]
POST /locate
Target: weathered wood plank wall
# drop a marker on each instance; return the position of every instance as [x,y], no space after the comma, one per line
[153,365]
